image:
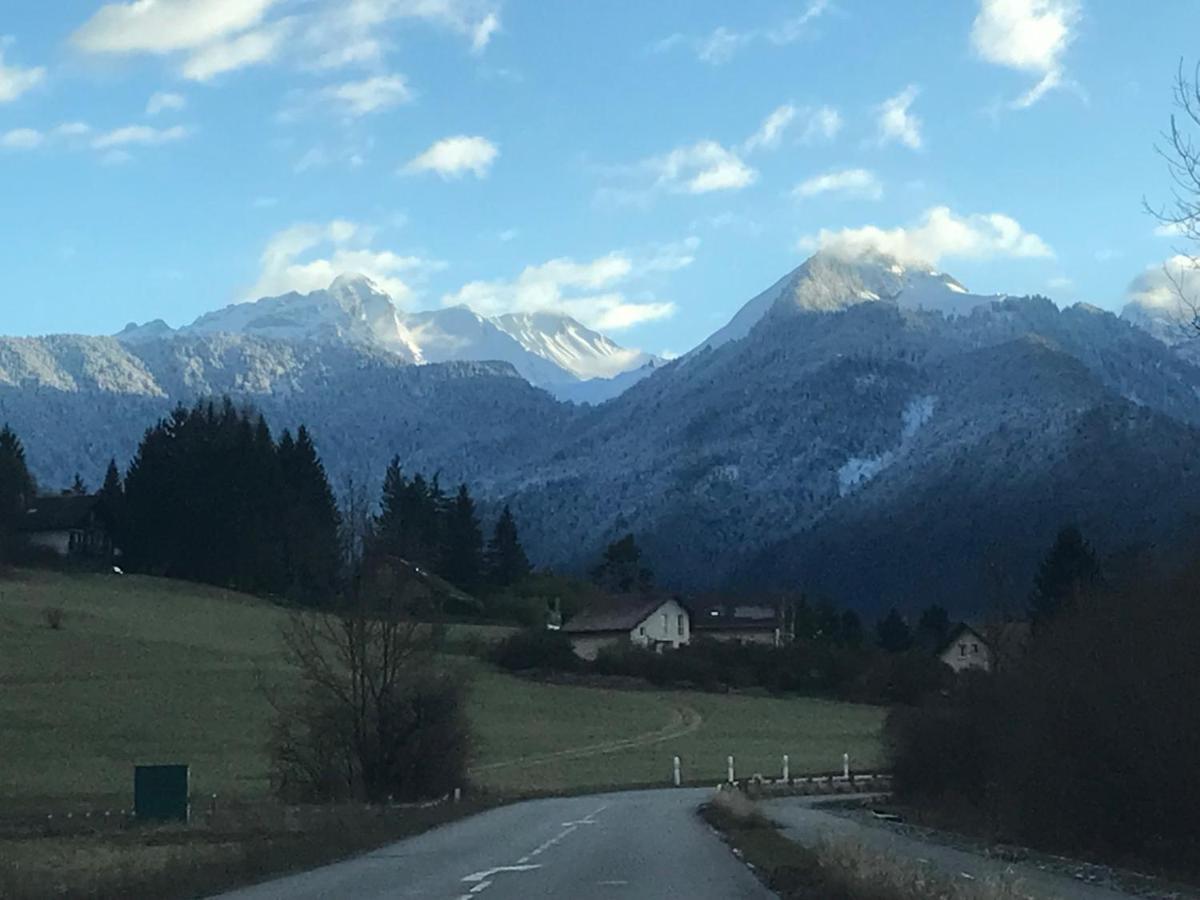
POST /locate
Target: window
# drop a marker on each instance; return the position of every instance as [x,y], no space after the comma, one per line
[682,627]
[665,631]
[642,631]
[974,648]
[962,649]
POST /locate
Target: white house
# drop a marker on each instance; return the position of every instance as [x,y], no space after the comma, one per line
[985,647]
[654,621]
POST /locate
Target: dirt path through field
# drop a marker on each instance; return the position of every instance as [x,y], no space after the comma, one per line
[683,721]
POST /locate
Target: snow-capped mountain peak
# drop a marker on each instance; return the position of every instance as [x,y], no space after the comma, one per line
[547,349]
[571,345]
[830,281]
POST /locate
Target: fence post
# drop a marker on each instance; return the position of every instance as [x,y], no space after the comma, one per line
[786,779]
[676,772]
[846,766]
[729,769]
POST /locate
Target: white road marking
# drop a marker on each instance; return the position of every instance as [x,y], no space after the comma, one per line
[476,877]
[483,880]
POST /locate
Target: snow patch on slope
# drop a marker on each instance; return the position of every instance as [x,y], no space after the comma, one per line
[858,470]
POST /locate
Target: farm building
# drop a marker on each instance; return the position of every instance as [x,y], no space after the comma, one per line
[747,623]
[70,526]
[984,647]
[648,620]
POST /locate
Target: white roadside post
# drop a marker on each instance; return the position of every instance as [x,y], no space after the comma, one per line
[677,779]
[729,769]
[786,780]
[846,766]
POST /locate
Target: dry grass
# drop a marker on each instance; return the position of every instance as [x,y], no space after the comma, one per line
[834,870]
[232,848]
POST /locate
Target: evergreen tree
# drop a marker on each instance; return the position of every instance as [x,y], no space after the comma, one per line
[933,627]
[893,633]
[211,497]
[850,629]
[462,547]
[1066,575]
[310,520]
[17,490]
[78,487]
[620,569]
[112,504]
[506,560]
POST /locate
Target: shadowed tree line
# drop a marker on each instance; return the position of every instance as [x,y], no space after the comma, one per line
[1086,742]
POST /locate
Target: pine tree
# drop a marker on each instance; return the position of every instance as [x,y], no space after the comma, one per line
[462,547]
[78,487]
[620,569]
[112,504]
[506,560]
[933,627]
[850,629]
[893,633]
[17,490]
[1067,574]
[310,520]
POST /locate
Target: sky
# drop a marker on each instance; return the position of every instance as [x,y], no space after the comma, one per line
[644,167]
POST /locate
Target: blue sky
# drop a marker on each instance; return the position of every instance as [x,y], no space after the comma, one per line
[647,167]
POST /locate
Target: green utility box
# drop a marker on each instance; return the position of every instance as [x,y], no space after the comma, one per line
[160,793]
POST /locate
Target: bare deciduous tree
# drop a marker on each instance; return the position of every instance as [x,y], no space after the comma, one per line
[375,716]
[1181,216]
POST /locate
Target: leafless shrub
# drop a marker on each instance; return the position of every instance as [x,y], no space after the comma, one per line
[55,617]
[375,716]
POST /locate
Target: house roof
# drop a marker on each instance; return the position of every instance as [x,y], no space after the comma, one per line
[58,513]
[723,616]
[1004,638]
[623,612]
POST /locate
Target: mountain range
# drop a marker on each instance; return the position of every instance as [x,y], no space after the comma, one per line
[550,350]
[864,429]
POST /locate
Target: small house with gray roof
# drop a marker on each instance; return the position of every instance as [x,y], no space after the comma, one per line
[656,621]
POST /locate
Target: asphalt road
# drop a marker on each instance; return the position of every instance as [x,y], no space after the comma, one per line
[631,846]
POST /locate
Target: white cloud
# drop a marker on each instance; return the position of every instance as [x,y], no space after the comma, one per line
[256,47]
[22,139]
[142,135]
[32,139]
[795,28]
[824,123]
[308,257]
[1029,36]
[1158,289]
[770,133]
[1170,229]
[721,44]
[15,80]
[72,129]
[482,33]
[852,182]
[164,101]
[453,157]
[1060,282]
[896,123]
[353,32]
[165,26]
[701,168]
[220,36]
[371,95]
[940,234]
[592,292]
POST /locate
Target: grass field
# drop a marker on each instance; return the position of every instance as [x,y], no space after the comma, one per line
[147,670]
